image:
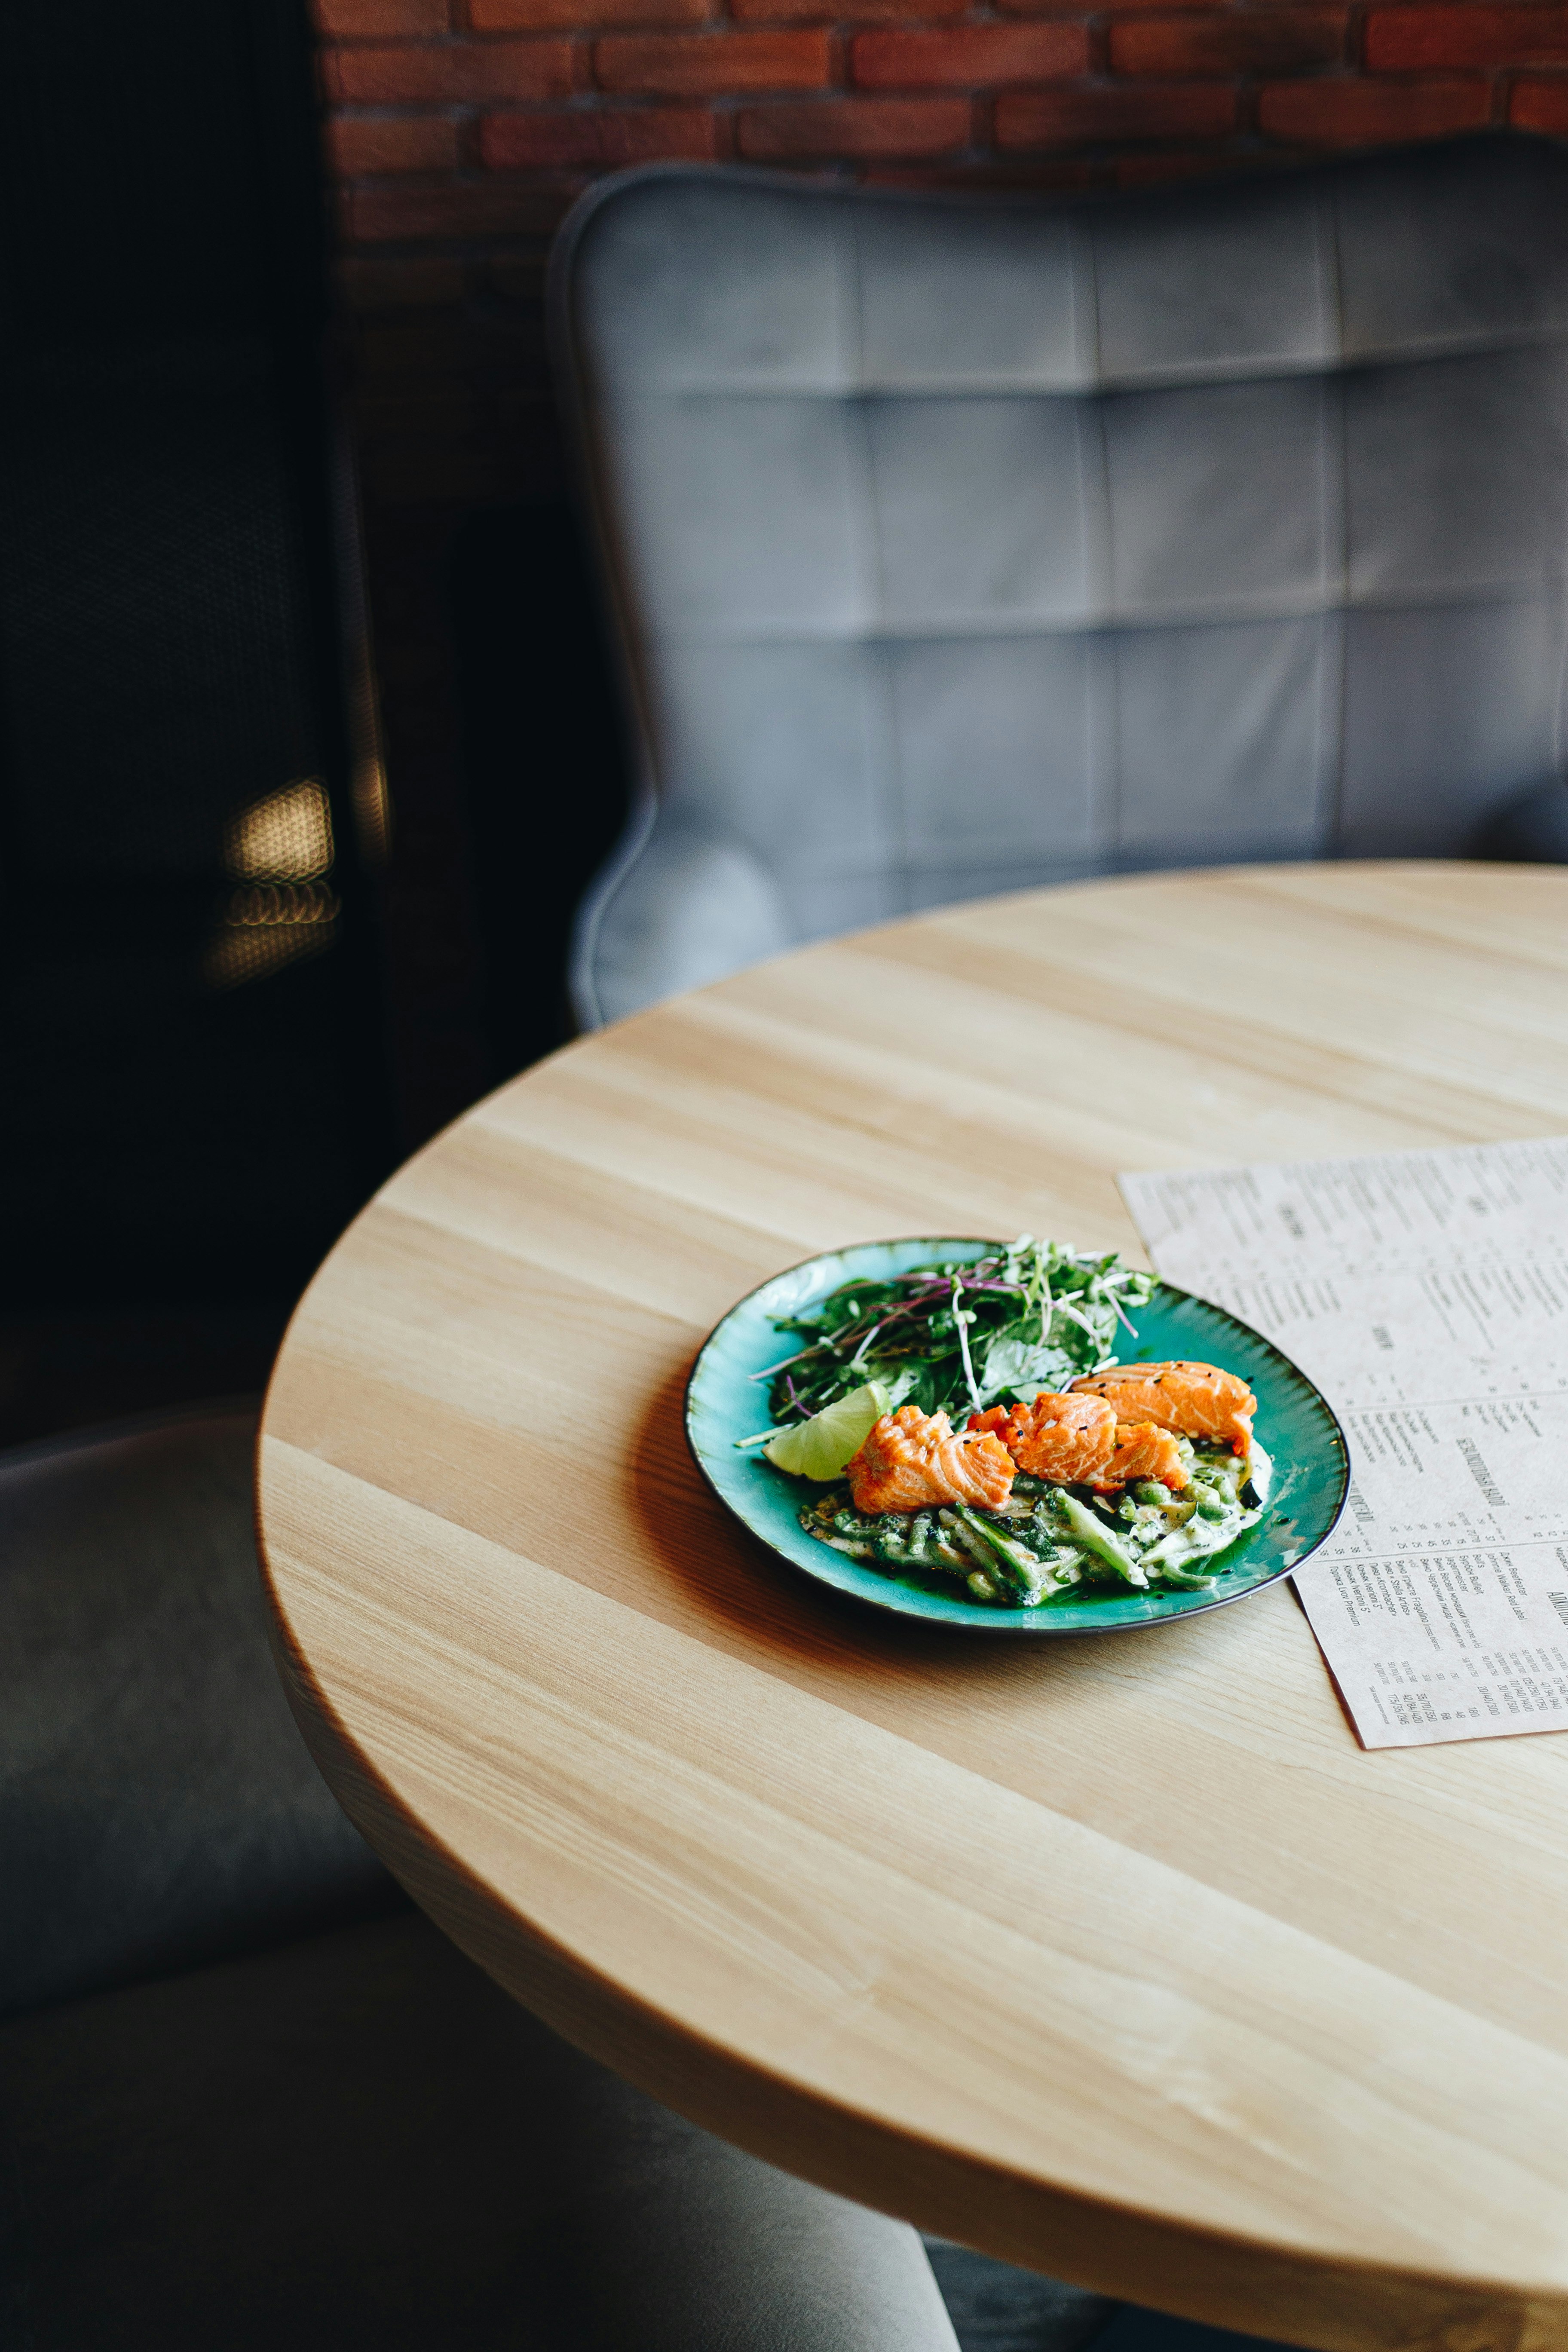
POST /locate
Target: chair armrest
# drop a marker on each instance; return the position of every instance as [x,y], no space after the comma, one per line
[686,906]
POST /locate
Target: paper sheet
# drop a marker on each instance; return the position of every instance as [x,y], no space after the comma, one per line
[1426,1294]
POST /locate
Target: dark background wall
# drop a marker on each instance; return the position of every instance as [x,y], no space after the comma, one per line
[219,1031]
[193,1083]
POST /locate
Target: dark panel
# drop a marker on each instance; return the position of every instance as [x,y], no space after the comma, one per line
[190,1046]
[544,757]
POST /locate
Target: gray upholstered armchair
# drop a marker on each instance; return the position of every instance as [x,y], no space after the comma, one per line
[962,543]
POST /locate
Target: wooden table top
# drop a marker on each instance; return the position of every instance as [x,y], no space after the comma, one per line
[1117,1957]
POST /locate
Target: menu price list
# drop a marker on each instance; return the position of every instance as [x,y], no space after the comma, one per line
[1426,1294]
[1425,1629]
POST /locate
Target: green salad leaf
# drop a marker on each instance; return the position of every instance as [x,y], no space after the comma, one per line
[959,1338]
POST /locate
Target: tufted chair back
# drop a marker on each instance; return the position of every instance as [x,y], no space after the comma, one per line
[960,543]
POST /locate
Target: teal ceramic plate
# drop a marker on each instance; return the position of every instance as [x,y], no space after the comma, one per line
[724,1402]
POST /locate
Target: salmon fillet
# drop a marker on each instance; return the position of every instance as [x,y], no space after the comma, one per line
[1067,1438]
[911,1461]
[1077,1441]
[1144,1451]
[1198,1399]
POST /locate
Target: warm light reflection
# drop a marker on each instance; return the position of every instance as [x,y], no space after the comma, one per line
[287,837]
[373,810]
[267,926]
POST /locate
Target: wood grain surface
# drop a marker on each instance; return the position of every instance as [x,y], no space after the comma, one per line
[1117,1957]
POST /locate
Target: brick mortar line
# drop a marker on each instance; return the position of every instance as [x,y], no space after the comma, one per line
[1096,77]
[463,37]
[718,28]
[846,29]
[589,103]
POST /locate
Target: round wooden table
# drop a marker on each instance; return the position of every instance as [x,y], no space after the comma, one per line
[1115,1956]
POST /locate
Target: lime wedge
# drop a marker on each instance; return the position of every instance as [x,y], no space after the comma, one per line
[820,1447]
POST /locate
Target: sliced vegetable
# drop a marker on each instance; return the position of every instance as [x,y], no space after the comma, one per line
[1097,1539]
[1031,1577]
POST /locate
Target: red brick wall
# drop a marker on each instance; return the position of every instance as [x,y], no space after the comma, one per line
[459,131]
[474,121]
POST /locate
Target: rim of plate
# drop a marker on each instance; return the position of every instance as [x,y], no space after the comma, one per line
[903,1601]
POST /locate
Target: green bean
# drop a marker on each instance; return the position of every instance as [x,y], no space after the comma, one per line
[979,1551]
[850,1523]
[1030,1577]
[1185,1579]
[1039,1532]
[1095,1539]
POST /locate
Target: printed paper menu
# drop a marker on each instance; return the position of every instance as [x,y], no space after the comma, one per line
[1426,1294]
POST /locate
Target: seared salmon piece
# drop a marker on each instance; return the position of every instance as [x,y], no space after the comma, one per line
[912,1461]
[1077,1441]
[1068,1438]
[1197,1399]
[1144,1450]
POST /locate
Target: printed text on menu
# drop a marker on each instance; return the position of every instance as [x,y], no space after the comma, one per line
[1426,1294]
